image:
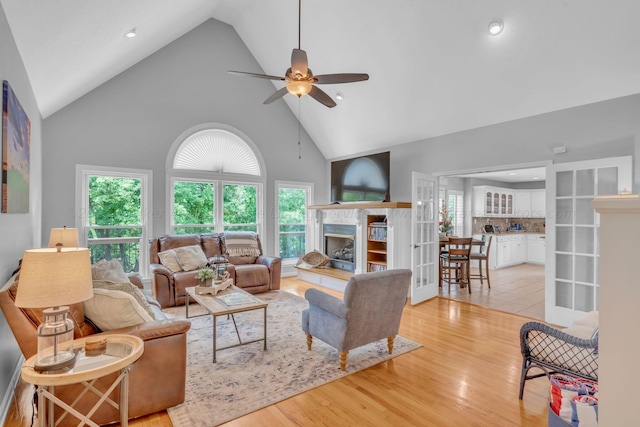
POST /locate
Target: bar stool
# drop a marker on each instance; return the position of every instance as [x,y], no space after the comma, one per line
[456,260]
[482,256]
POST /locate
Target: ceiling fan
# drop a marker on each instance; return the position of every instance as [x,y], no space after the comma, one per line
[301,81]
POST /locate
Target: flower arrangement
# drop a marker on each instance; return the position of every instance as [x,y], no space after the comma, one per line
[206,273]
[445,219]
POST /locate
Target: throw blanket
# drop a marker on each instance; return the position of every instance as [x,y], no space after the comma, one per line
[240,243]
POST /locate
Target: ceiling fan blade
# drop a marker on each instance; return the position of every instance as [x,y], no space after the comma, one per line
[260,76]
[276,95]
[341,78]
[299,63]
[322,97]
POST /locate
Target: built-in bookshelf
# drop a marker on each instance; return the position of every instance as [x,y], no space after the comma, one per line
[376,242]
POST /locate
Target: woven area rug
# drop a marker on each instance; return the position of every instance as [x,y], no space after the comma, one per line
[247,378]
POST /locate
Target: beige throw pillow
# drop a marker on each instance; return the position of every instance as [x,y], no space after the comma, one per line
[109,270]
[169,260]
[129,288]
[110,310]
[191,257]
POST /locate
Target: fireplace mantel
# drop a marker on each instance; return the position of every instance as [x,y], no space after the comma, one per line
[365,205]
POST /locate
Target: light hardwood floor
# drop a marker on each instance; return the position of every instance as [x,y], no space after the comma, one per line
[467,373]
[518,289]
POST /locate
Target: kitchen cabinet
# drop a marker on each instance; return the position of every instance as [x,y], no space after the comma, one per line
[530,203]
[493,201]
[518,249]
[538,203]
[536,248]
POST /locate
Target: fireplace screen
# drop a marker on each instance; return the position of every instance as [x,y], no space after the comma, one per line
[340,246]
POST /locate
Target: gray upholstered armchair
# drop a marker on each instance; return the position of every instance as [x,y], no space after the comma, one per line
[371,310]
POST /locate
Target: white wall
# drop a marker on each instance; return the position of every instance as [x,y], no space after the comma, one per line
[17,231]
[132,121]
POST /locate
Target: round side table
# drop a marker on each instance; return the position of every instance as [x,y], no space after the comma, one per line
[120,352]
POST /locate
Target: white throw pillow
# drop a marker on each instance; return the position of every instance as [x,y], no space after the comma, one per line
[169,260]
[110,310]
[191,257]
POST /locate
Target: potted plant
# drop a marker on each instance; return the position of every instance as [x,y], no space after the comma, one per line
[445,222]
[206,275]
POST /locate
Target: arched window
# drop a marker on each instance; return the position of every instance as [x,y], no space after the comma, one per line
[216,179]
[216,150]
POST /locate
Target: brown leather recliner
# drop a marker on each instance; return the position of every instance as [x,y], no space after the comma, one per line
[254,275]
[156,380]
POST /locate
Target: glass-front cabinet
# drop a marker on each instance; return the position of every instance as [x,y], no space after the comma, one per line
[493,201]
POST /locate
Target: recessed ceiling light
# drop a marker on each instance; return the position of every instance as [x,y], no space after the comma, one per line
[496,26]
[512,173]
[535,178]
[130,34]
[339,96]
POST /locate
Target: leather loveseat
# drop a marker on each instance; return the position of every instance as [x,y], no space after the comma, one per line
[156,380]
[253,274]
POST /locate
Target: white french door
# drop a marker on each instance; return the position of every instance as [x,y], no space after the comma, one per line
[424,237]
[572,254]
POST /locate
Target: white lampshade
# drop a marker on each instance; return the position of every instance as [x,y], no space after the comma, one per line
[67,236]
[51,278]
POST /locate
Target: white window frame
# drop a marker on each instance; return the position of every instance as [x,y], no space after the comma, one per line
[458,211]
[308,187]
[83,172]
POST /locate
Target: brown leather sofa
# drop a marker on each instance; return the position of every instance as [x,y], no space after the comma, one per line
[253,275]
[156,380]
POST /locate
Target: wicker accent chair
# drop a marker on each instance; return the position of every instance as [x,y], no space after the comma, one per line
[556,351]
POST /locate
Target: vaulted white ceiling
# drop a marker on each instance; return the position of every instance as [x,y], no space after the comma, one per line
[433,67]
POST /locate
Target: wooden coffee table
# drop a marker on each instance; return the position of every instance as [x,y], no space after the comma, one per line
[228,302]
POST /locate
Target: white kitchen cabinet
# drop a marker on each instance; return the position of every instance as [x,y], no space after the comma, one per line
[522,204]
[518,249]
[536,247]
[538,203]
[493,201]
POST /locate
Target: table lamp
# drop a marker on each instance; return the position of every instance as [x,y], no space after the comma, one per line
[67,237]
[55,278]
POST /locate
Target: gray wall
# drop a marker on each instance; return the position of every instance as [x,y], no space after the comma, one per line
[132,120]
[604,129]
[17,231]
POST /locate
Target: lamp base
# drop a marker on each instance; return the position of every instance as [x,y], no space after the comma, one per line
[64,360]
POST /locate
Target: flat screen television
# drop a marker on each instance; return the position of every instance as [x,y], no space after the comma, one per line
[361,179]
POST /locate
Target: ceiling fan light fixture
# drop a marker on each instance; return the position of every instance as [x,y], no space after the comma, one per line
[299,87]
[496,26]
[339,96]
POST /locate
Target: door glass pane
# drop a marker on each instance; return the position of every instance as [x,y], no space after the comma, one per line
[564,294]
[608,181]
[564,184]
[292,221]
[584,269]
[585,240]
[585,182]
[584,298]
[585,214]
[564,211]
[564,239]
[115,220]
[564,267]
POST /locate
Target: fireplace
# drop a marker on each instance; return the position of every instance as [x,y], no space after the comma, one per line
[340,246]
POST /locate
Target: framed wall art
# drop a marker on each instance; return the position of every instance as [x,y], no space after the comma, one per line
[16,150]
